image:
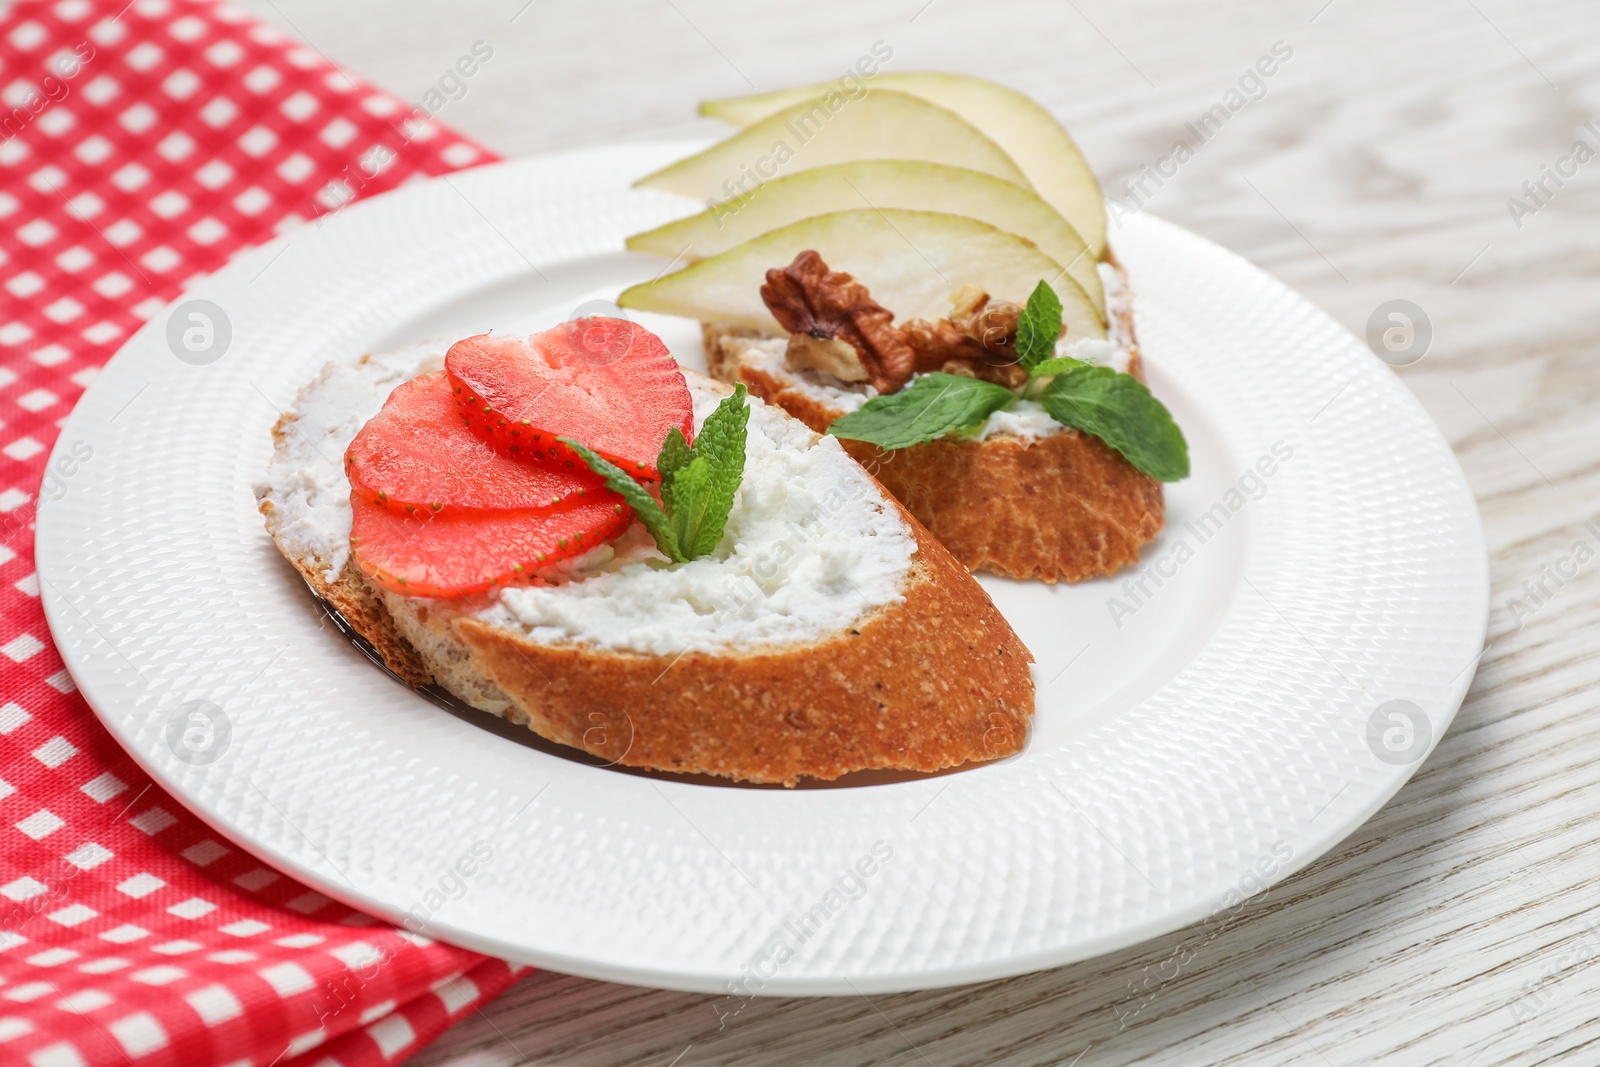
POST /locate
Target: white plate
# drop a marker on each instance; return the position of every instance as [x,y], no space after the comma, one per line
[1207,737]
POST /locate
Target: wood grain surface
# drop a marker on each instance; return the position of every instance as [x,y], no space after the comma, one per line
[1453,928]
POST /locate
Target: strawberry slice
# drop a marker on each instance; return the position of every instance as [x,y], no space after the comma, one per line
[423,554]
[417,453]
[603,381]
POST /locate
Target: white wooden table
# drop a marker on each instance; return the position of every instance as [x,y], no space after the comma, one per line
[1454,927]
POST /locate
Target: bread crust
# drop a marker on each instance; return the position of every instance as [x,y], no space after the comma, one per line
[1061,508]
[933,682]
[349,594]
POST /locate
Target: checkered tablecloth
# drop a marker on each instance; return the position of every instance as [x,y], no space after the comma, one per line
[143,145]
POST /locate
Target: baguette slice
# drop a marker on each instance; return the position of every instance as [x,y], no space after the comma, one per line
[931,677]
[1060,506]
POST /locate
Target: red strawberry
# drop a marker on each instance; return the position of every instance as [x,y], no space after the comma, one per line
[417,453]
[422,554]
[605,382]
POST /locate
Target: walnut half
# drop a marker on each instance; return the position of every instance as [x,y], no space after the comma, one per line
[979,339]
[834,325]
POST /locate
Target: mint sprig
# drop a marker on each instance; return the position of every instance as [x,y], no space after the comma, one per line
[698,483]
[932,406]
[1115,407]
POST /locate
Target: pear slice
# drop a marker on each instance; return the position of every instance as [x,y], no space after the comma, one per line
[879,183]
[833,129]
[1028,133]
[912,262]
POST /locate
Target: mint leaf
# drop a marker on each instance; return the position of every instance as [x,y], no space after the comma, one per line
[721,439]
[674,457]
[697,484]
[1059,365]
[703,491]
[636,496]
[686,499]
[1118,409]
[932,406]
[1038,326]
[675,453]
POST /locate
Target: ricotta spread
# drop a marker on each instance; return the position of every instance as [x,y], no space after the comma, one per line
[810,547]
[305,482]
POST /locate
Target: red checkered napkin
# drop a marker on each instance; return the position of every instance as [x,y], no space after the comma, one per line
[144,145]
